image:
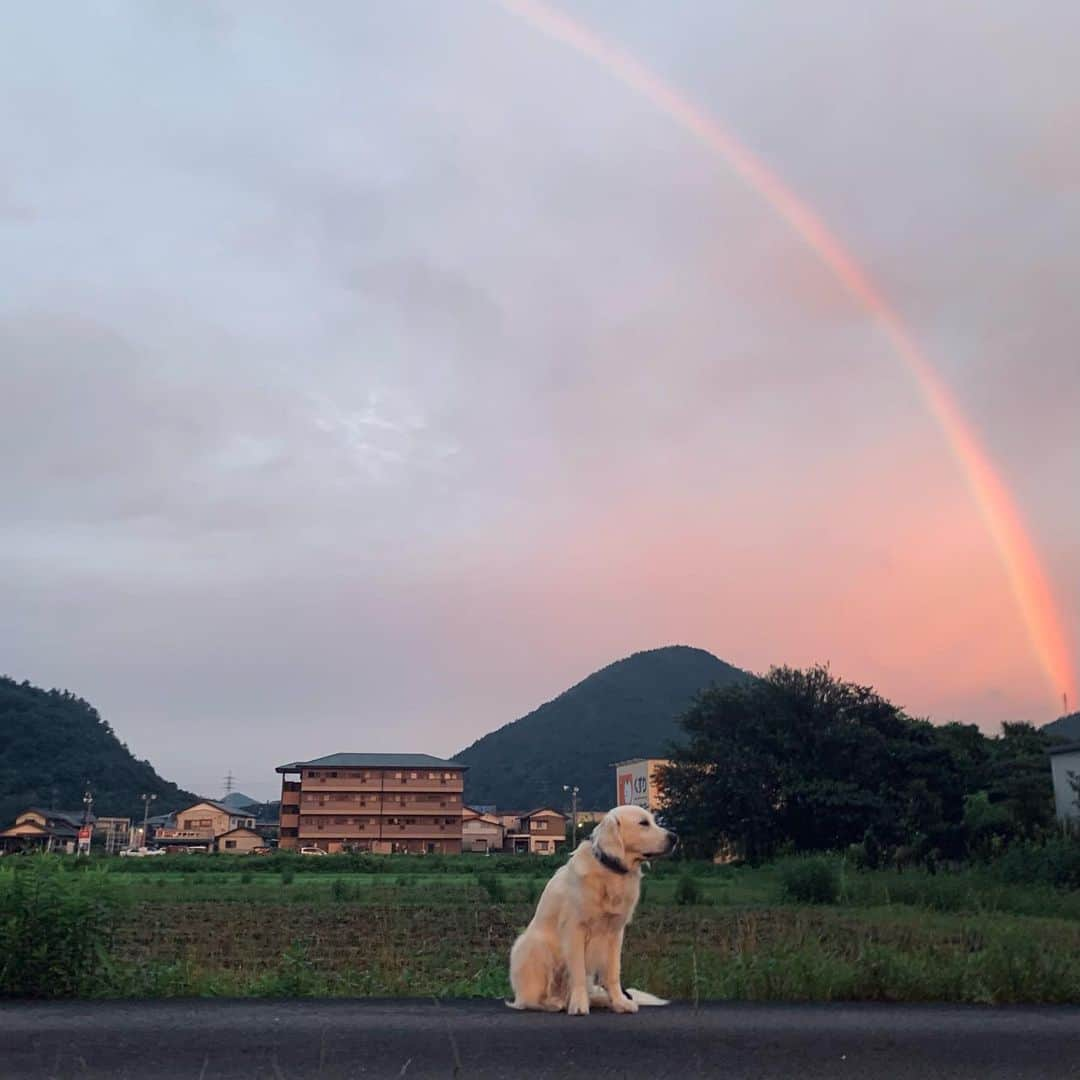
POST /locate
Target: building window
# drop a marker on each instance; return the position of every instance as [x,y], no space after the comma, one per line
[312,773]
[230,843]
[334,775]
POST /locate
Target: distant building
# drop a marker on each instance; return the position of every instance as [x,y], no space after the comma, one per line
[481,832]
[198,825]
[1064,767]
[636,783]
[373,802]
[113,833]
[44,830]
[239,841]
[535,832]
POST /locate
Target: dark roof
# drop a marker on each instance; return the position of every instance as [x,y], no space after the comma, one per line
[239,828]
[1065,748]
[541,809]
[374,761]
[74,818]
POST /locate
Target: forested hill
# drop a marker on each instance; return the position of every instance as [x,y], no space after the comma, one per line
[628,709]
[52,743]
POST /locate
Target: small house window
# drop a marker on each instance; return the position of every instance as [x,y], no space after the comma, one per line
[230,843]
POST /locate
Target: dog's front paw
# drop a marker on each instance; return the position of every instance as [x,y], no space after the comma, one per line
[579,1003]
[622,1004]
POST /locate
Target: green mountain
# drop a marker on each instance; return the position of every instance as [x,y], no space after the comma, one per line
[1065,727]
[626,710]
[52,744]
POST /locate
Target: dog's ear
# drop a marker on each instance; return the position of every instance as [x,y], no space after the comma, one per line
[607,836]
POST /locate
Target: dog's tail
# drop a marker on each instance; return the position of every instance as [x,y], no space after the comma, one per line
[642,997]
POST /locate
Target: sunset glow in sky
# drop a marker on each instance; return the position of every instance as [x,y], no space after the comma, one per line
[369,376]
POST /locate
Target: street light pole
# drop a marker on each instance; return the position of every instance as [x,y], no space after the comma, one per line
[573,796]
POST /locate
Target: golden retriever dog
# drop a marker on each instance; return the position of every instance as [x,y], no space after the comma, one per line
[570,955]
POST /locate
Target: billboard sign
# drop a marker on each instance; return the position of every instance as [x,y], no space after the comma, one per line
[633,784]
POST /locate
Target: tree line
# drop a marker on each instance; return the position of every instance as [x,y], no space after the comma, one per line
[802,761]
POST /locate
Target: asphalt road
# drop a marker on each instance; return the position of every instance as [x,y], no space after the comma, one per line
[285,1040]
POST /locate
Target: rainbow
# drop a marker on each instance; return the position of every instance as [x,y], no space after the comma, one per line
[1027,578]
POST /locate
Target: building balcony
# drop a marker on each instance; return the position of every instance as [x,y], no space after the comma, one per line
[368,805]
[318,784]
[186,835]
[383,832]
[454,787]
[394,806]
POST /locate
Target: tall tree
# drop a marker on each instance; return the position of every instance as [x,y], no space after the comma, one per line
[806,759]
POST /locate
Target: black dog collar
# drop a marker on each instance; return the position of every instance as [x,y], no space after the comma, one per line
[609,861]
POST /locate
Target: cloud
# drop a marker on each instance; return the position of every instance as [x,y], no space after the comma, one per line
[366,379]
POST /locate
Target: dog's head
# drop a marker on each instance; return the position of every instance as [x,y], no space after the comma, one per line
[627,836]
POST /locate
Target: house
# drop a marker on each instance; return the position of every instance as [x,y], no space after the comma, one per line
[535,832]
[198,825]
[637,783]
[481,831]
[373,802]
[239,841]
[44,830]
[1065,768]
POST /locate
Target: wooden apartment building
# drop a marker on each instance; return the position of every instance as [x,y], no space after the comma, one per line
[372,802]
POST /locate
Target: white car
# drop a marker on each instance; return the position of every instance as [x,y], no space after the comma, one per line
[141,852]
[313,851]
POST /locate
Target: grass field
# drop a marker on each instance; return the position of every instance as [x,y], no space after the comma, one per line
[220,925]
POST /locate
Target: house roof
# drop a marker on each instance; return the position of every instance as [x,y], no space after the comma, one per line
[373,761]
[225,808]
[74,818]
[239,828]
[1065,748]
[544,810]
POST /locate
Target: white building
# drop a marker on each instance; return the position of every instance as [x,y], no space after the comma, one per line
[1065,765]
[636,783]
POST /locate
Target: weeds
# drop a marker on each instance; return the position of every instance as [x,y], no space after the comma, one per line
[55,930]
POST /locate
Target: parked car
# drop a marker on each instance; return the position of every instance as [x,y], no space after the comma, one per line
[262,851]
[141,852]
[312,851]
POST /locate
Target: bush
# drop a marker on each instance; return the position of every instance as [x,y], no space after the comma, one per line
[1056,862]
[288,875]
[493,886]
[810,881]
[687,891]
[55,931]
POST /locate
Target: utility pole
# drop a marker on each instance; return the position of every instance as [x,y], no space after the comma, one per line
[230,782]
[82,846]
[573,798]
[147,800]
